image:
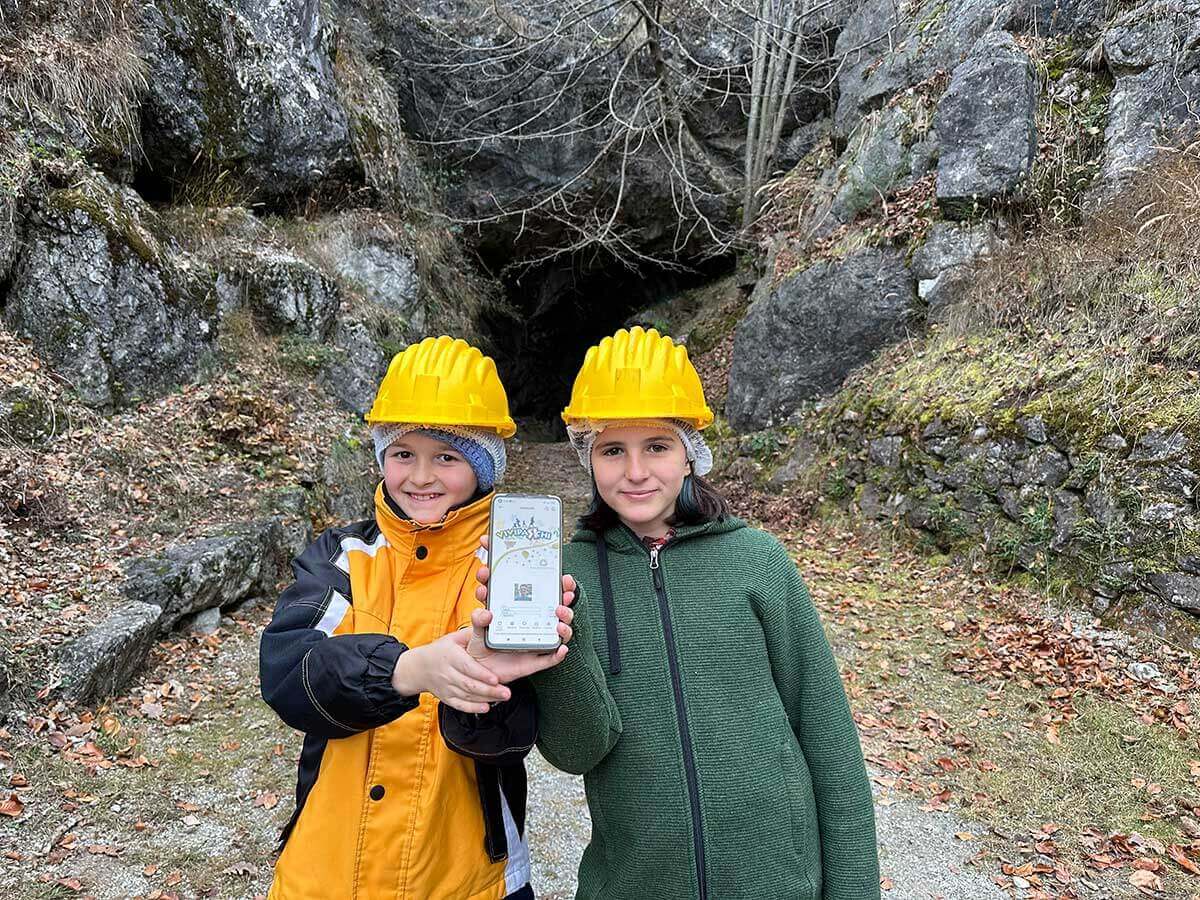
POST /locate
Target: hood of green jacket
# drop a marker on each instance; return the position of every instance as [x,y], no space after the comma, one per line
[622,537]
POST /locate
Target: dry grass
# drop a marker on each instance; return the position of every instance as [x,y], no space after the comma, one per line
[376,127]
[1132,272]
[1094,329]
[74,65]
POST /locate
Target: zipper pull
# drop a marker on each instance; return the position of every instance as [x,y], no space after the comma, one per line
[654,557]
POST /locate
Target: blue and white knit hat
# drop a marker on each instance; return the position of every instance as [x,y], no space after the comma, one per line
[482,449]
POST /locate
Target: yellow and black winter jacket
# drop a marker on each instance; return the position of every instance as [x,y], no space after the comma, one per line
[384,807]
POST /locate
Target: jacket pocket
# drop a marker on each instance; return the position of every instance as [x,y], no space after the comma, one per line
[801,811]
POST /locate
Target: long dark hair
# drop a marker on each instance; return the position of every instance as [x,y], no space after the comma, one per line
[698,502]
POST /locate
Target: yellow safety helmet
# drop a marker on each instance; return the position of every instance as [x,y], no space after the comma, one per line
[637,374]
[443,381]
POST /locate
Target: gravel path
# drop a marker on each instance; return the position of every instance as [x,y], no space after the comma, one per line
[918,851]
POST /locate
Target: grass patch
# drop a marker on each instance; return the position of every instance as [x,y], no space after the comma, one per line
[75,65]
[1086,780]
[1095,331]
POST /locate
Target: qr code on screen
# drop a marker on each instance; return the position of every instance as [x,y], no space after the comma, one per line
[522,592]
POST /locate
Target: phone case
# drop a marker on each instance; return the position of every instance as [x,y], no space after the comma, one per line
[554,640]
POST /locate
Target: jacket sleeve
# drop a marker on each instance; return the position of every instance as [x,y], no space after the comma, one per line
[578,722]
[808,681]
[323,684]
[502,736]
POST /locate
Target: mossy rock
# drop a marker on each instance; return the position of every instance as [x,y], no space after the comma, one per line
[27,416]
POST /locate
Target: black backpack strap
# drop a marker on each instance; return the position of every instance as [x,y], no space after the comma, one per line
[610,609]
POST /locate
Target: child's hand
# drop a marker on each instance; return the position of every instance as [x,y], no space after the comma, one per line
[504,663]
[508,666]
[445,669]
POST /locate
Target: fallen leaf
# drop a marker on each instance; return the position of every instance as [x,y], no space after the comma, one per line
[13,806]
[267,800]
[1179,855]
[1146,882]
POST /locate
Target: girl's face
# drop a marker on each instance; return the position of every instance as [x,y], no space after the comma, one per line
[427,477]
[639,472]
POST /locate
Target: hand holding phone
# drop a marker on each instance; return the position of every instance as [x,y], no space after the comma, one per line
[525,582]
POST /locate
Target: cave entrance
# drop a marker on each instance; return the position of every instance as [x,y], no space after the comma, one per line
[558,309]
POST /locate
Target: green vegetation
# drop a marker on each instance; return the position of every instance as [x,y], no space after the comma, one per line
[1095,331]
[304,356]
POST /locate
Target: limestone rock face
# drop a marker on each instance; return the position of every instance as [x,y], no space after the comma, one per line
[1153,52]
[800,338]
[985,124]
[245,87]
[887,48]
[105,298]
[354,376]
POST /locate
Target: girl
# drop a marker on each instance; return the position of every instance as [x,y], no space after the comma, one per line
[701,701]
[365,656]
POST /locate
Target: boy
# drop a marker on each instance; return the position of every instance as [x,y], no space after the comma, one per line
[367,650]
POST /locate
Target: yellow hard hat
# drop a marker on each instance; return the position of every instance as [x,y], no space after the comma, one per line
[443,381]
[637,374]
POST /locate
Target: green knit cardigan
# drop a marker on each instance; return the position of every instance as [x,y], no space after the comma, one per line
[706,713]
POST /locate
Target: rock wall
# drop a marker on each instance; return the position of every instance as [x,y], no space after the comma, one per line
[952,121]
[534,118]
[1120,520]
[246,88]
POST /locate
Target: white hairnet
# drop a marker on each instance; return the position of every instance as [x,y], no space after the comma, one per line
[583,437]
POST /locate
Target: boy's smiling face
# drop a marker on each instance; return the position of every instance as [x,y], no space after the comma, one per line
[427,477]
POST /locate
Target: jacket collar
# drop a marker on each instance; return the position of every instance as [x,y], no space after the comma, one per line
[623,540]
[455,537]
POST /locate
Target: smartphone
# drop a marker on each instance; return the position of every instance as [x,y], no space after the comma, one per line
[525,559]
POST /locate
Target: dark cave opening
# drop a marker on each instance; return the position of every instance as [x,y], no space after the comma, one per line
[558,309]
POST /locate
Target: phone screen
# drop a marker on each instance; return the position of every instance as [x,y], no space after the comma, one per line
[525,557]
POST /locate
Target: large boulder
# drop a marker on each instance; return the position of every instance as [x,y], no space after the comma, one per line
[1153,52]
[102,661]
[801,337]
[985,124]
[284,292]
[886,47]
[244,88]
[104,295]
[215,571]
